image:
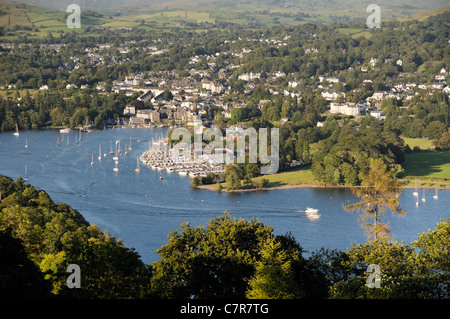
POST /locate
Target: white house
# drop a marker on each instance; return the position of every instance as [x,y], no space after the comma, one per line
[293,83]
[332,96]
[129,110]
[447,90]
[373,61]
[335,80]
[377,113]
[213,87]
[70,86]
[249,76]
[346,109]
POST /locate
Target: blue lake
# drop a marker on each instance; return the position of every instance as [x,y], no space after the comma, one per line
[141,209]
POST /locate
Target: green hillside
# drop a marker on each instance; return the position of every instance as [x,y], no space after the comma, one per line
[31,20]
[20,19]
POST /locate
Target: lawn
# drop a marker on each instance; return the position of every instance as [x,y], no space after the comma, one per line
[428,167]
[422,143]
[296,176]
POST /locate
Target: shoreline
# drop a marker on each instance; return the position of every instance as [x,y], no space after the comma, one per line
[213,187]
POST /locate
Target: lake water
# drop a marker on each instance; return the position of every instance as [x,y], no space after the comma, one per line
[142,210]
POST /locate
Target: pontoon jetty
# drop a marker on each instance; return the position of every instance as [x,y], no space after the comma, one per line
[161,157]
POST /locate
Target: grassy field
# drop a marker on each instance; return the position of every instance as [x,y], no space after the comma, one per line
[37,22]
[429,168]
[422,143]
[300,176]
[296,176]
[11,93]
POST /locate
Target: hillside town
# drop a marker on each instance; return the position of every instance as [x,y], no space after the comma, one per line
[189,98]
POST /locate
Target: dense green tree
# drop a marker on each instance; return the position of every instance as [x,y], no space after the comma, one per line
[274,278]
[232,258]
[405,272]
[55,236]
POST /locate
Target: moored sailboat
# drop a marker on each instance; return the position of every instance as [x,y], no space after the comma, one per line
[436,196]
[16,133]
[99,152]
[137,170]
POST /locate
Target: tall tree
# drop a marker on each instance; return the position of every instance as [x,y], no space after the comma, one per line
[274,277]
[379,191]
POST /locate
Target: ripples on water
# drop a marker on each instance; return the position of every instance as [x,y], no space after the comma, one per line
[142,210]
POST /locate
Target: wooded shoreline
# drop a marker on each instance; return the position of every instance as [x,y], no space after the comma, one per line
[213,187]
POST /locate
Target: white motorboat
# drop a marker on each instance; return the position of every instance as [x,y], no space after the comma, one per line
[312,213]
[310,210]
[64,130]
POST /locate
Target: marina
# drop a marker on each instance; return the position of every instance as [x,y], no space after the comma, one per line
[161,157]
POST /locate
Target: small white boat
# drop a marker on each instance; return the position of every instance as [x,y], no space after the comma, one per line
[423,198]
[312,213]
[92,160]
[310,210]
[64,130]
[436,196]
[116,169]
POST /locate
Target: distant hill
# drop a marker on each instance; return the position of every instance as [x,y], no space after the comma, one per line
[306,5]
[17,18]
